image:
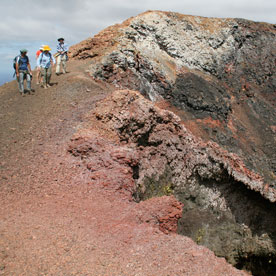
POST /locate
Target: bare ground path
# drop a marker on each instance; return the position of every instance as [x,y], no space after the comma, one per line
[53,220]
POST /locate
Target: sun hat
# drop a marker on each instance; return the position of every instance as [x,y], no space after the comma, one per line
[23,51]
[46,48]
[41,47]
[61,38]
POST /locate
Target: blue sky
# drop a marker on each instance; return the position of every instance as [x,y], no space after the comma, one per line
[30,23]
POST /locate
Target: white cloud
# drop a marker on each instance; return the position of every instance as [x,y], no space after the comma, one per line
[30,23]
[78,19]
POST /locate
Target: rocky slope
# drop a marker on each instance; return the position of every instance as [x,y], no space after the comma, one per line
[218,156]
[147,152]
[67,183]
[99,181]
[219,73]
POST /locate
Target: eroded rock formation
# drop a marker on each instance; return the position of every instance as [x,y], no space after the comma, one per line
[146,151]
[219,73]
[217,155]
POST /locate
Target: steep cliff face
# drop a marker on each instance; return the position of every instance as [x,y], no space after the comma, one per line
[157,44]
[218,156]
[218,73]
[146,152]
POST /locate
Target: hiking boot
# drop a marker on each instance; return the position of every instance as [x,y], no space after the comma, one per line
[48,85]
[57,73]
[45,86]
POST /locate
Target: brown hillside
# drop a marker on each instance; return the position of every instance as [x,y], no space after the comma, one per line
[157,145]
[56,220]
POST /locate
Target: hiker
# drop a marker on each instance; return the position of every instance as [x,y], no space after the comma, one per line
[62,57]
[38,71]
[45,61]
[23,71]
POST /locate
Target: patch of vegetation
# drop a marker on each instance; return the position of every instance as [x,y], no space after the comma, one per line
[156,186]
[199,235]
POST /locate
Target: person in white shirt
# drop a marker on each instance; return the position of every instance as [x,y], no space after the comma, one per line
[62,57]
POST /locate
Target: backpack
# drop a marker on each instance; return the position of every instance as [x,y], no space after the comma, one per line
[19,62]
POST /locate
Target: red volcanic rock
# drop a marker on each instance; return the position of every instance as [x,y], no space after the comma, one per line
[73,213]
[273,128]
[219,71]
[108,163]
[216,151]
[164,211]
[132,146]
[137,121]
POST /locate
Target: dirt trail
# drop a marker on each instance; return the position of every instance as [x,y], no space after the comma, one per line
[53,221]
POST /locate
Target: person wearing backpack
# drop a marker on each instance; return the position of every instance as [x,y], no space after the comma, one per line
[45,61]
[23,71]
[62,57]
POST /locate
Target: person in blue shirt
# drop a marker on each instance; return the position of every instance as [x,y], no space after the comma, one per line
[23,71]
[62,57]
[45,61]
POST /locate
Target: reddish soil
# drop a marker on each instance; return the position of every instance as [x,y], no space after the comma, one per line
[54,220]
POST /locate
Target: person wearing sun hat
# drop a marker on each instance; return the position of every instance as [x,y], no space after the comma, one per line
[45,61]
[38,52]
[62,57]
[23,71]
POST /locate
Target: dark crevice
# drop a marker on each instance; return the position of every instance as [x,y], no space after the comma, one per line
[135,172]
[231,232]
[258,265]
